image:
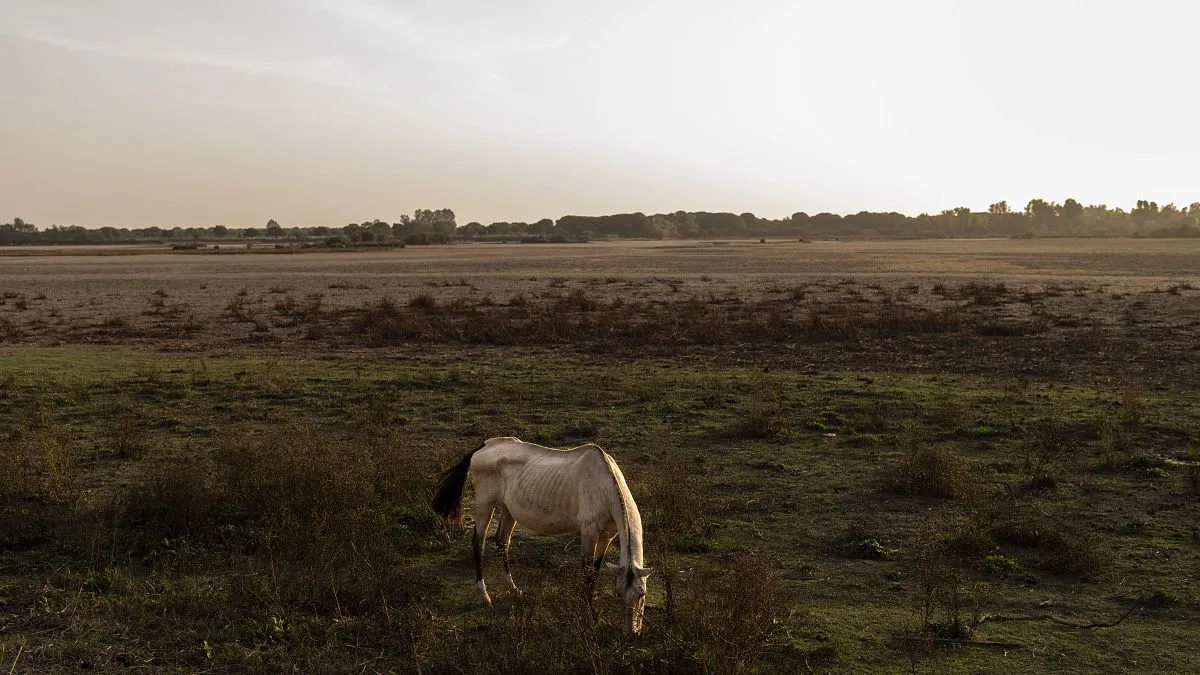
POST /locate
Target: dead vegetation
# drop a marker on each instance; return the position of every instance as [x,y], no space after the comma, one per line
[842,470]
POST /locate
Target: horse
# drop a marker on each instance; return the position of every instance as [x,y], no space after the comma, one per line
[552,491]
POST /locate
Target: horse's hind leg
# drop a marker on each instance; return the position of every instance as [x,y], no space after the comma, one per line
[483,518]
[503,537]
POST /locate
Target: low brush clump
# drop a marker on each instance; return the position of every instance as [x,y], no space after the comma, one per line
[309,521]
[40,485]
[926,470]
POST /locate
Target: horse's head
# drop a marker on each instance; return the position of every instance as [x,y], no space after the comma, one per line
[629,583]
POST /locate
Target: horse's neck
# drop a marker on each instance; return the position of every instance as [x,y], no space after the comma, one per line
[625,513]
[631,538]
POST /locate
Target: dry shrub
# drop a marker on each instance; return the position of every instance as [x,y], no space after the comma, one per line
[39,485]
[39,465]
[737,618]
[1133,405]
[1071,552]
[127,433]
[579,301]
[424,302]
[1061,549]
[927,470]
[758,418]
[285,305]
[580,318]
[175,498]
[385,322]
[858,541]
[841,322]
[937,585]
[982,293]
[547,629]
[9,331]
[297,471]
[895,319]
[1045,453]
[312,310]
[734,617]
[676,512]
[323,538]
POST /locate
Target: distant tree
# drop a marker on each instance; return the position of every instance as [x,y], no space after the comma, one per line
[381,230]
[220,231]
[798,223]
[685,223]
[1143,213]
[1071,212]
[471,230]
[434,220]
[274,229]
[1000,208]
[962,218]
[1040,212]
[720,224]
[825,223]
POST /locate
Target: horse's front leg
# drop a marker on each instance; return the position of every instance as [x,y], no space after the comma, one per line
[588,543]
[594,546]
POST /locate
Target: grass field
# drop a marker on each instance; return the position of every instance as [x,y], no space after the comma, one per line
[935,456]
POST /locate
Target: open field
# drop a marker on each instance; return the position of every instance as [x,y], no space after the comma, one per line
[925,456]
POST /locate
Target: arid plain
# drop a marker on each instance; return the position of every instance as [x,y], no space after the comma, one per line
[943,455]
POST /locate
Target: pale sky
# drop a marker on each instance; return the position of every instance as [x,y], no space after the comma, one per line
[323,112]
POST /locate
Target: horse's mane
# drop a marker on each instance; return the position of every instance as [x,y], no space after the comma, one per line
[627,528]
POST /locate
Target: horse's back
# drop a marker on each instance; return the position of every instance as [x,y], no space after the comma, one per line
[508,454]
[543,487]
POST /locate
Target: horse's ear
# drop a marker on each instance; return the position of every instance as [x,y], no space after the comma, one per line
[645,572]
[611,567]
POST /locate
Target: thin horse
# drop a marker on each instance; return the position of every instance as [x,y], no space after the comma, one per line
[552,491]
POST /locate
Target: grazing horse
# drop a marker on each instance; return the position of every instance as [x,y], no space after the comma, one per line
[552,491]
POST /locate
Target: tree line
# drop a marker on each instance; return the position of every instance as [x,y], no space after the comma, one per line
[429,226]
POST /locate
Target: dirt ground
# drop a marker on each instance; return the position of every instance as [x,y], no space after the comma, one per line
[1046,303]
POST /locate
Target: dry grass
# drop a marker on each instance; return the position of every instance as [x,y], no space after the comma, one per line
[247,489]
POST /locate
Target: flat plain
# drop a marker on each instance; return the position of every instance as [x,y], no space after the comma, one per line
[850,456]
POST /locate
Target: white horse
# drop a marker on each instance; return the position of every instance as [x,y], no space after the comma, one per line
[552,491]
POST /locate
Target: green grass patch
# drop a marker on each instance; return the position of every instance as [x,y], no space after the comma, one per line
[263,511]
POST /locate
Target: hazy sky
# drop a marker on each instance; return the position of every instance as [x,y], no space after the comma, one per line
[182,112]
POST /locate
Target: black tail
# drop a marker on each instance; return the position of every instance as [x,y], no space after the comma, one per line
[448,500]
